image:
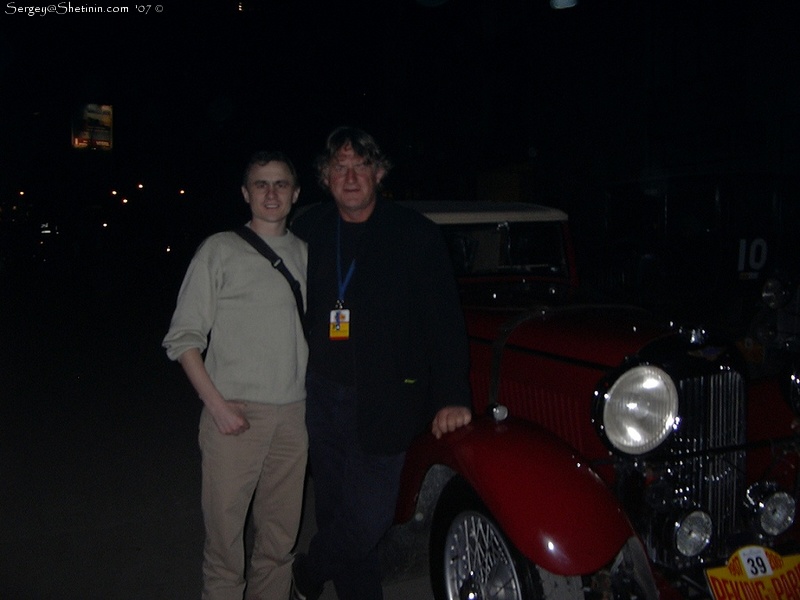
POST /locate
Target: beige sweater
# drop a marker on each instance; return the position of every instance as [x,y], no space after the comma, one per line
[235,305]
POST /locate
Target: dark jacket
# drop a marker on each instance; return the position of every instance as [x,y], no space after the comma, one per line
[409,340]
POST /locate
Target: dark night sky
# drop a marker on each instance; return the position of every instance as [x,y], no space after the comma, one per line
[601,92]
[472,99]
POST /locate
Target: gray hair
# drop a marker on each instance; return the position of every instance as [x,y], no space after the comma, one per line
[362,143]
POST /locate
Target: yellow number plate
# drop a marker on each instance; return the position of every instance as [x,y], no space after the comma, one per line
[756,573]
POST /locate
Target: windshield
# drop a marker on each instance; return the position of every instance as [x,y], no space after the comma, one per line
[507,249]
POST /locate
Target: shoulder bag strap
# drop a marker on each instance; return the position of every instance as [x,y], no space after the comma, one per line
[276,261]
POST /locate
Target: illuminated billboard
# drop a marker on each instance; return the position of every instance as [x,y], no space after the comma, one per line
[92,127]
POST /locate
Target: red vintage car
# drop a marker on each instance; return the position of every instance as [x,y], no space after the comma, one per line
[612,455]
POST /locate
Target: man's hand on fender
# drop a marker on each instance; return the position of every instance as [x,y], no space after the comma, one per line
[449,419]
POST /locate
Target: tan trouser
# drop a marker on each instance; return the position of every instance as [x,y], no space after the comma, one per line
[265,465]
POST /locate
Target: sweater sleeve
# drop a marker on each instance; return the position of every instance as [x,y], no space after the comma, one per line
[195,308]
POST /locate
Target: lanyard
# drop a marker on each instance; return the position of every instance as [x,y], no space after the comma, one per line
[343,283]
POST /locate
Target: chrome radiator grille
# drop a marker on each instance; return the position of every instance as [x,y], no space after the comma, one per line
[713,417]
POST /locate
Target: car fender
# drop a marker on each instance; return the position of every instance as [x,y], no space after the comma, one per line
[550,504]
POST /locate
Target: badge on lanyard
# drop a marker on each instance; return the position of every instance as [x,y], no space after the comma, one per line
[339,328]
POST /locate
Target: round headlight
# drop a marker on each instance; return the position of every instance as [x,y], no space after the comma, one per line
[693,533]
[640,410]
[774,510]
[778,513]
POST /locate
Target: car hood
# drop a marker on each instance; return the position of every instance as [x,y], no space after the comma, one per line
[599,335]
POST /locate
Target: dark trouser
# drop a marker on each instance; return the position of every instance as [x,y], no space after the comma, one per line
[355,495]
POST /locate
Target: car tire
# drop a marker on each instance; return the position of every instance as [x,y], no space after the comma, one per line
[462,530]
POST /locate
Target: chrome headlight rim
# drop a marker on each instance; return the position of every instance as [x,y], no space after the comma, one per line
[692,533]
[773,511]
[639,410]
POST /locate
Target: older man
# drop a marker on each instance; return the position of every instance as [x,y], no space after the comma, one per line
[388,359]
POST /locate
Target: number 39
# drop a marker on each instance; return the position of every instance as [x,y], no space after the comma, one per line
[757,566]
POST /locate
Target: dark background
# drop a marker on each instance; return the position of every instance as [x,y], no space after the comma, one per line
[569,100]
[586,109]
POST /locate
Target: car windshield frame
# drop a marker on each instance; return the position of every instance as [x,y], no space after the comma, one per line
[507,249]
[501,239]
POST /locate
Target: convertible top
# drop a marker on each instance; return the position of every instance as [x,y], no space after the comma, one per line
[460,212]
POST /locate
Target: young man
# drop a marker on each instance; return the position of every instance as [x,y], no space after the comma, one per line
[234,306]
[388,359]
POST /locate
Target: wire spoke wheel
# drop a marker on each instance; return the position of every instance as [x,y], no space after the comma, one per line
[478,562]
[471,558]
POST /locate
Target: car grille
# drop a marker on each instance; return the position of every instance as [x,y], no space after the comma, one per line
[707,464]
